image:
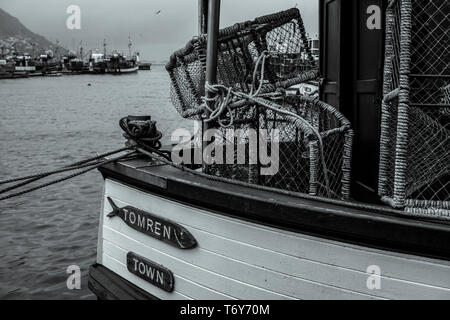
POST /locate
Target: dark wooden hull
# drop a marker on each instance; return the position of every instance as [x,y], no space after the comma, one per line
[145,66]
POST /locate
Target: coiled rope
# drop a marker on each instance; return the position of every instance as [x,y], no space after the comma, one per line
[222,97]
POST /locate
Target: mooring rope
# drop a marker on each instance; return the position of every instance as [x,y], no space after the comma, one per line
[90,168]
[222,97]
[42,176]
[140,131]
[47,173]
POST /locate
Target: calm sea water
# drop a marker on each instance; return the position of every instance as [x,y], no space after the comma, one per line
[49,122]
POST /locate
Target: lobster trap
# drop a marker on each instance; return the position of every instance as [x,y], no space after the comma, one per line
[415,130]
[280,36]
[311,139]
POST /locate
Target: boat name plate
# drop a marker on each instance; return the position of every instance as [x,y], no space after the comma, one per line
[150,271]
[153,226]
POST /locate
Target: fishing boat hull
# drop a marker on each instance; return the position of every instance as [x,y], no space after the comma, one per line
[52,74]
[256,244]
[35,74]
[28,69]
[125,70]
[145,66]
[5,75]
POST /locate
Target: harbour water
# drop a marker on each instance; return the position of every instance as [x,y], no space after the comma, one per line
[49,122]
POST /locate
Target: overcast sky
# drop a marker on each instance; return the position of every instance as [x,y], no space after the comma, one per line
[155,35]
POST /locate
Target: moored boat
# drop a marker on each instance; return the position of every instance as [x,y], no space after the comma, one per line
[278,247]
[119,64]
[97,63]
[24,65]
[189,229]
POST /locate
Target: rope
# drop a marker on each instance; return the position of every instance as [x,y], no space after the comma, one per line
[142,128]
[43,174]
[140,132]
[224,96]
[67,177]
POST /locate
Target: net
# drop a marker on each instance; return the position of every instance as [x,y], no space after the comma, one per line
[415,137]
[260,134]
[310,132]
[282,35]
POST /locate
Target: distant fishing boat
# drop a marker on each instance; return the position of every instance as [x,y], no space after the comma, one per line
[74,65]
[119,64]
[24,64]
[47,64]
[9,69]
[98,63]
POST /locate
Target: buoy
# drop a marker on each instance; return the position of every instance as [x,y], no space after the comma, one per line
[89,84]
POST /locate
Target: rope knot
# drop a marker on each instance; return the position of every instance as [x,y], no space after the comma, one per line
[142,129]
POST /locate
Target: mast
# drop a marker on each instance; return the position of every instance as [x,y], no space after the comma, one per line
[213,32]
[202,17]
[104,48]
[57,50]
[32,50]
[213,20]
[129,45]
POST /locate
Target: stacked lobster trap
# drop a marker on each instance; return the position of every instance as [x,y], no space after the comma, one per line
[415,134]
[313,142]
[257,60]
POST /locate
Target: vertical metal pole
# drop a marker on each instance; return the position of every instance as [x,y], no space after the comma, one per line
[213,33]
[202,17]
[211,51]
[202,30]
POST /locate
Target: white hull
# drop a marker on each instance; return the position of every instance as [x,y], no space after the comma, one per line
[26,68]
[129,70]
[241,260]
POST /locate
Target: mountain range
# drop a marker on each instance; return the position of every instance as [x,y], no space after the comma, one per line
[14,36]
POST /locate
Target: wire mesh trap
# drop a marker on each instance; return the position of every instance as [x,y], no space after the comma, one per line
[312,140]
[415,133]
[281,36]
[314,143]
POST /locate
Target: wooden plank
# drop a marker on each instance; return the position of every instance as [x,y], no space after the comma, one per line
[397,266]
[190,280]
[255,265]
[141,173]
[121,269]
[360,224]
[100,230]
[243,274]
